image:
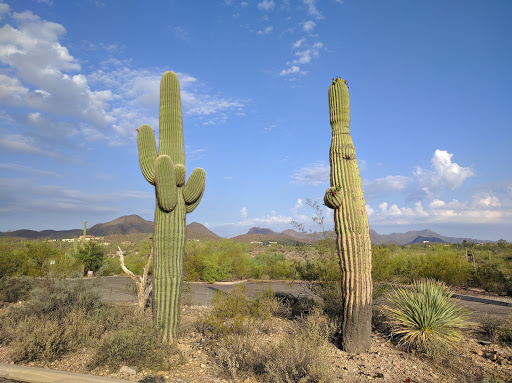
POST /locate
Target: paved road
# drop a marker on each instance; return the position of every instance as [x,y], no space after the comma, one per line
[119,289]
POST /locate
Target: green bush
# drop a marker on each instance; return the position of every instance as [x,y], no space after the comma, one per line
[91,256]
[422,316]
[15,289]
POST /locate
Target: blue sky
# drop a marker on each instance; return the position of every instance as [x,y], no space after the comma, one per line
[430,96]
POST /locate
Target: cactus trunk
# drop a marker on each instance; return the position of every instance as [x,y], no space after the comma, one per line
[175,198]
[346,197]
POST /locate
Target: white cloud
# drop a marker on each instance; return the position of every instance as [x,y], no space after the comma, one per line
[243,212]
[488,200]
[298,205]
[4,10]
[383,185]
[297,44]
[291,70]
[266,5]
[308,26]
[265,31]
[312,10]
[445,174]
[315,174]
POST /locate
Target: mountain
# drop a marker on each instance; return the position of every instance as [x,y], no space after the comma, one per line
[262,231]
[127,224]
[410,236]
[197,231]
[421,239]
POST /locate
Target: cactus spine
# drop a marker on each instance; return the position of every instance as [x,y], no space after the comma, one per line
[345,196]
[166,170]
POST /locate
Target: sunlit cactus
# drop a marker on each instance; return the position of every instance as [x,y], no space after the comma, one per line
[165,169]
[345,196]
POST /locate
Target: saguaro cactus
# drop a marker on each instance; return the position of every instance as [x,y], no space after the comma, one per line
[345,196]
[166,170]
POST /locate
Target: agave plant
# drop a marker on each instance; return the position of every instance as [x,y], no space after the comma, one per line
[422,316]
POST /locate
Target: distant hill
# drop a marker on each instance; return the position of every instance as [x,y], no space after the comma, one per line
[420,239]
[127,224]
[132,224]
[197,231]
[287,237]
[410,236]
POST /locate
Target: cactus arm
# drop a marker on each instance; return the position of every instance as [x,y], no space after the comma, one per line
[147,152]
[181,173]
[194,188]
[165,183]
[333,198]
[171,122]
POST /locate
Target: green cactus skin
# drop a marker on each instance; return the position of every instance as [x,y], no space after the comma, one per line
[166,170]
[346,197]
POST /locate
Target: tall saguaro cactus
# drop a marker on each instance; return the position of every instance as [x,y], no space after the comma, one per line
[345,196]
[166,170]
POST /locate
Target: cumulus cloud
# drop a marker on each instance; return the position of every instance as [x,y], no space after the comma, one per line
[265,31]
[243,212]
[312,9]
[298,205]
[291,70]
[308,26]
[266,5]
[315,174]
[444,175]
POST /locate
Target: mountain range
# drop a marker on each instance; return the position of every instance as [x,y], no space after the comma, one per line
[132,224]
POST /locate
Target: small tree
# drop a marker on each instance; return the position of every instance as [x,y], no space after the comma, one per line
[91,256]
[142,283]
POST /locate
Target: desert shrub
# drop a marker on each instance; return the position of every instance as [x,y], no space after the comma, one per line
[15,289]
[498,329]
[490,278]
[56,298]
[233,313]
[238,356]
[136,343]
[301,358]
[422,316]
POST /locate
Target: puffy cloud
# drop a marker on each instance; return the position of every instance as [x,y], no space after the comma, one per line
[312,10]
[265,31]
[266,5]
[298,205]
[297,44]
[315,174]
[308,26]
[291,70]
[243,212]
[445,174]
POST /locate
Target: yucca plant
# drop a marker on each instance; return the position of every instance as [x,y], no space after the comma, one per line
[422,316]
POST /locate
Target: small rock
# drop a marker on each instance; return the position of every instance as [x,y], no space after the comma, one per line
[479,352]
[202,365]
[484,342]
[128,370]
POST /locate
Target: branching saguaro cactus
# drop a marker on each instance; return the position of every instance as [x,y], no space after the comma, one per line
[166,170]
[345,196]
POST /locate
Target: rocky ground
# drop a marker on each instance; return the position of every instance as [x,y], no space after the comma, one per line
[473,361]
